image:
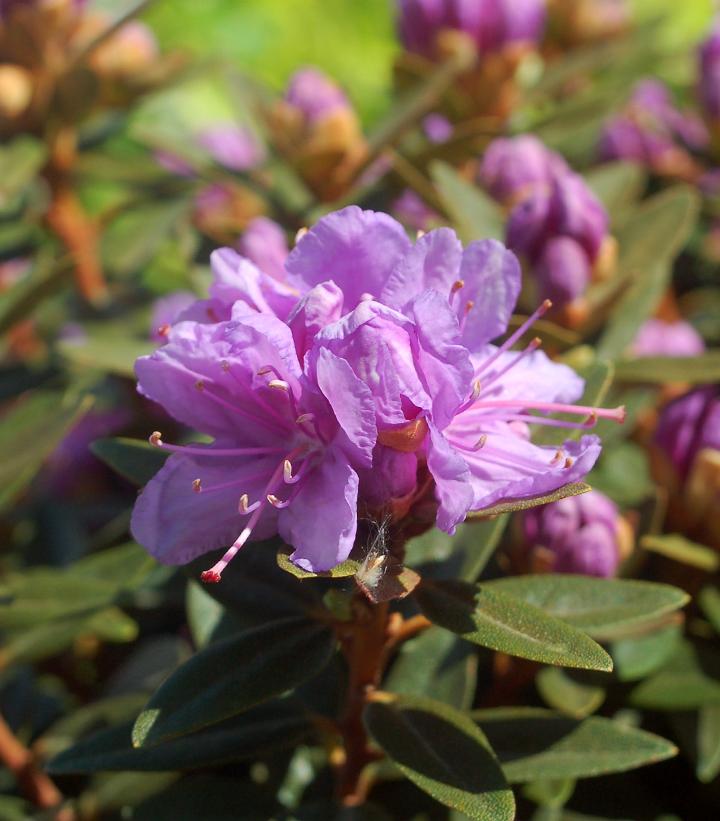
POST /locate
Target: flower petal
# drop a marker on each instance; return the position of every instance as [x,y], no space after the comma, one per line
[318,308]
[356,249]
[321,522]
[176,524]
[452,481]
[492,280]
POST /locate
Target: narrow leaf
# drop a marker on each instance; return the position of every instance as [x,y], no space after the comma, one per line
[574,489]
[696,370]
[444,753]
[135,460]
[473,213]
[677,547]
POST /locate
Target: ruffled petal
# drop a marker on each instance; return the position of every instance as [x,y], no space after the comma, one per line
[433,262]
[356,249]
[321,522]
[492,280]
[452,481]
[321,306]
[176,524]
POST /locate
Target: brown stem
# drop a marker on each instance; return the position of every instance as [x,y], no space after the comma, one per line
[71,224]
[364,647]
[33,783]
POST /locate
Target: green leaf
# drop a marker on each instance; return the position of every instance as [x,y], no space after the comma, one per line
[649,241]
[230,676]
[623,473]
[604,608]
[696,370]
[536,744]
[257,732]
[438,664]
[641,656]
[574,489]
[677,547]
[47,276]
[106,354]
[689,681]
[617,185]
[444,753]
[489,617]
[473,213]
[20,162]
[135,460]
[463,555]
[568,695]
[709,601]
[341,571]
[708,744]
[29,432]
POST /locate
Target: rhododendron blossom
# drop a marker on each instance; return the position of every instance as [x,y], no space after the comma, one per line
[377,390]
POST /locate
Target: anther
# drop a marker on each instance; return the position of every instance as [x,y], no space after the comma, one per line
[469,305]
[366,297]
[480,442]
[457,285]
[163,330]
[244,505]
[288,474]
[264,370]
[304,417]
[559,456]
[197,485]
[200,385]
[275,502]
[301,233]
[419,234]
[568,463]
[225,365]
[476,390]
[155,438]
[279,385]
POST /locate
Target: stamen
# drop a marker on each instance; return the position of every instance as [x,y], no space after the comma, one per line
[419,234]
[156,439]
[279,384]
[533,345]
[305,417]
[481,442]
[258,420]
[568,463]
[614,414]
[301,233]
[457,285]
[513,338]
[275,502]
[244,505]
[163,330]
[288,477]
[197,485]
[559,456]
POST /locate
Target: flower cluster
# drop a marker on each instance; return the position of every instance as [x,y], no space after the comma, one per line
[653,132]
[581,534]
[360,377]
[709,78]
[556,224]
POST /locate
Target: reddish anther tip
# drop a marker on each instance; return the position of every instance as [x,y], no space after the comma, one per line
[210,576]
[547,304]
[163,330]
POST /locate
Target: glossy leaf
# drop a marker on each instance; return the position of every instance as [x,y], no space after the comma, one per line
[231,676]
[539,744]
[444,753]
[473,213]
[135,460]
[254,733]
[489,617]
[604,608]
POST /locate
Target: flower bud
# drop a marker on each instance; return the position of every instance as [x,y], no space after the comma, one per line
[563,270]
[222,211]
[315,95]
[574,22]
[659,338]
[709,70]
[687,426]
[233,147]
[580,534]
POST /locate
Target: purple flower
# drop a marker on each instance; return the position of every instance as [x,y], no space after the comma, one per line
[166,312]
[513,166]
[381,374]
[315,95]
[580,534]
[659,338]
[235,148]
[709,69]
[651,130]
[412,210]
[264,243]
[492,24]
[560,233]
[689,425]
[437,128]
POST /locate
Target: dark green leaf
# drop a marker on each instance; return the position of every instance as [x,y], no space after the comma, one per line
[135,460]
[709,601]
[347,568]
[690,680]
[538,744]
[20,161]
[640,656]
[444,753]
[604,608]
[438,664]
[254,733]
[696,370]
[708,744]
[574,489]
[106,354]
[487,616]
[623,474]
[29,432]
[230,676]
[473,213]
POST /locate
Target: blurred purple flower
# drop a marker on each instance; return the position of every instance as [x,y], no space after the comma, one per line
[231,146]
[513,166]
[659,338]
[384,365]
[315,95]
[166,311]
[412,210]
[437,128]
[492,24]
[580,534]
[688,425]
[709,70]
[264,243]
